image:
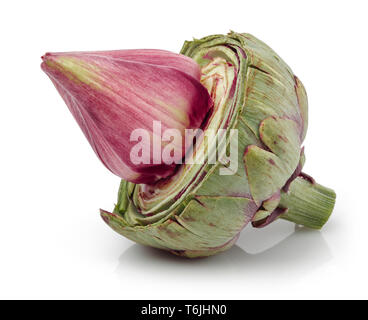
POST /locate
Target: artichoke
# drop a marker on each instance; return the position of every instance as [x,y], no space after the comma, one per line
[198,209]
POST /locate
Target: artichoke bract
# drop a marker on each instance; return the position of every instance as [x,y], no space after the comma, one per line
[200,208]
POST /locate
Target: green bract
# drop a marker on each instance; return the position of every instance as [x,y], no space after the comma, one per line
[199,212]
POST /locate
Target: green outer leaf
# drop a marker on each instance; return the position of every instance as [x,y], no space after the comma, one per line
[268,171]
[205,223]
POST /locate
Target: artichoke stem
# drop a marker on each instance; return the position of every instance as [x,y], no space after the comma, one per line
[308,203]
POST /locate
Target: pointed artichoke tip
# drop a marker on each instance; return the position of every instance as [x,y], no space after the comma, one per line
[105,216]
[51,58]
[47,60]
[44,59]
[104,212]
[48,56]
[45,56]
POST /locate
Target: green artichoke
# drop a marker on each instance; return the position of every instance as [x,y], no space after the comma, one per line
[198,211]
[243,166]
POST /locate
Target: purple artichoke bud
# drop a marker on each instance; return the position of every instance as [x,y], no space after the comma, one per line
[113,93]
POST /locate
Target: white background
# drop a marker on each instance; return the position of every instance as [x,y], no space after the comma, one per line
[53,244]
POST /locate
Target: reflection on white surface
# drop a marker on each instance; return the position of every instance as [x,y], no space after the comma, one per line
[280,249]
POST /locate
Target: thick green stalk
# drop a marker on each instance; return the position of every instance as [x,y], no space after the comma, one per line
[308,204]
